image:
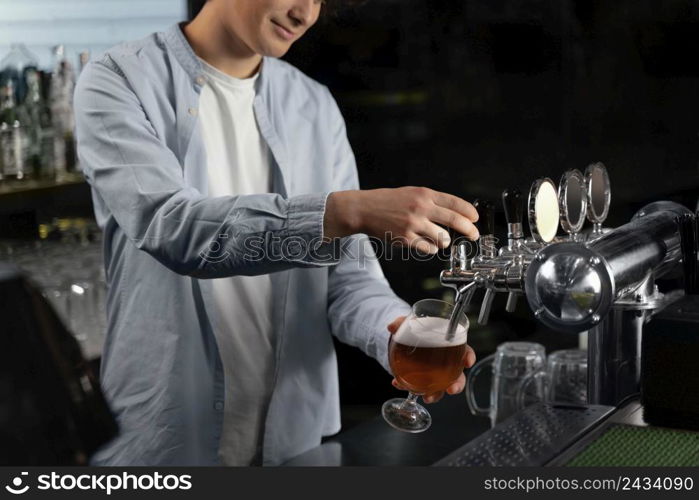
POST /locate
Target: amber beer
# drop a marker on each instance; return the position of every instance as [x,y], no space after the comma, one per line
[422,359]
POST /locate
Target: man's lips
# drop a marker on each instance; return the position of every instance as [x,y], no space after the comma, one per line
[283,32]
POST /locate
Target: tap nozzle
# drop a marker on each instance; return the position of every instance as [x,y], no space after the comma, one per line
[511,304]
[486,306]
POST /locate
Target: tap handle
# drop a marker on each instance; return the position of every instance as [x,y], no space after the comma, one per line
[486,216]
[486,228]
[512,201]
[456,252]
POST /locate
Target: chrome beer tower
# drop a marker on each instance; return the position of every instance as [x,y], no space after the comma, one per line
[601,281]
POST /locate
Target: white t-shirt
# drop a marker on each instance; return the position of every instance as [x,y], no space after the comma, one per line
[239,163]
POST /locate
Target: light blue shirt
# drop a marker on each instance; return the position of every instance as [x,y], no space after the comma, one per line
[140,145]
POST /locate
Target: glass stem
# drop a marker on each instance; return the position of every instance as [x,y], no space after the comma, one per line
[411,400]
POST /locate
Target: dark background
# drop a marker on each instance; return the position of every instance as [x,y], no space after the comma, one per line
[472,97]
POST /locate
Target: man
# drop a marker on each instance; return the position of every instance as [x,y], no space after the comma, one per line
[223,181]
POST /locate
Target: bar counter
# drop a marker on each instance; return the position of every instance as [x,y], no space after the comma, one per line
[543,434]
[376,443]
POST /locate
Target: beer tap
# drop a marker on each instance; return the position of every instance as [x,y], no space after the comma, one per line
[486,228]
[487,251]
[458,257]
[602,281]
[503,270]
[459,261]
[512,202]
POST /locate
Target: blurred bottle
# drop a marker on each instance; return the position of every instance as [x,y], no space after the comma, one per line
[61,103]
[13,151]
[13,66]
[13,125]
[40,134]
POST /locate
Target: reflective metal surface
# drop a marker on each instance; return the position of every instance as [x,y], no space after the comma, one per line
[569,287]
[599,195]
[607,287]
[572,202]
[601,281]
[531,437]
[574,285]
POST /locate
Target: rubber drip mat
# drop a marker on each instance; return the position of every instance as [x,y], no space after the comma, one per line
[532,436]
[631,446]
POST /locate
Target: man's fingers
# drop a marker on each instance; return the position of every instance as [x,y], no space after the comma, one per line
[433,398]
[455,220]
[469,357]
[427,398]
[458,385]
[457,205]
[424,246]
[435,234]
[398,385]
[395,324]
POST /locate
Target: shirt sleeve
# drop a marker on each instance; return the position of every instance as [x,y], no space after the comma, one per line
[141,181]
[361,304]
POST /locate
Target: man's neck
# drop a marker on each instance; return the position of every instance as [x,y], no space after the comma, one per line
[219,47]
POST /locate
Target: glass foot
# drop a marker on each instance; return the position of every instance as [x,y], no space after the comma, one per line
[406,415]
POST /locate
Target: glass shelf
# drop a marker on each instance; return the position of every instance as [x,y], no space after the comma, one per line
[28,185]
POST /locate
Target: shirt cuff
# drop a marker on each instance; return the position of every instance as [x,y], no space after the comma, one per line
[305,232]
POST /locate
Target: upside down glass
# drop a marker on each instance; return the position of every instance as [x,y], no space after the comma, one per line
[423,360]
[509,365]
[563,380]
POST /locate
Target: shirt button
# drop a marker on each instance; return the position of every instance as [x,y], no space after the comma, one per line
[218,405]
[200,80]
[193,111]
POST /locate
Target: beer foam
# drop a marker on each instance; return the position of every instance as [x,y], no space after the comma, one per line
[428,332]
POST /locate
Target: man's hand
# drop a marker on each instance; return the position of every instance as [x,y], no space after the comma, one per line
[410,216]
[456,386]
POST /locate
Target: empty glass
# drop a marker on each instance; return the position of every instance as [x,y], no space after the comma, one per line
[510,364]
[563,381]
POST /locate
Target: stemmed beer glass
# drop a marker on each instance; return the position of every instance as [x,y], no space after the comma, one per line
[424,360]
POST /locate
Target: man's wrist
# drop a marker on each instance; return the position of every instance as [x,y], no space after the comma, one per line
[343,215]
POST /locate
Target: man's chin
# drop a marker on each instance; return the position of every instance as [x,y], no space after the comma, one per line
[276,50]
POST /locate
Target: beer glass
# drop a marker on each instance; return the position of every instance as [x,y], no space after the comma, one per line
[424,360]
[511,363]
[563,381]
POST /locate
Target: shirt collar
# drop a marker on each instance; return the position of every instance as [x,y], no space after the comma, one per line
[185,55]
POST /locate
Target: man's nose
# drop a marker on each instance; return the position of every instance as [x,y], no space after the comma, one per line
[302,12]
